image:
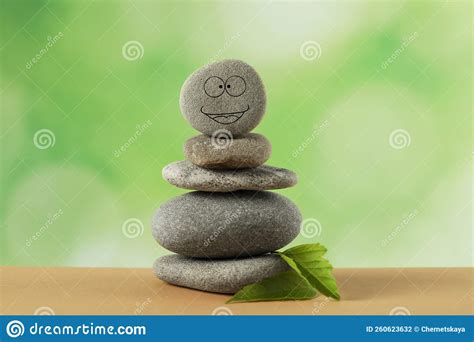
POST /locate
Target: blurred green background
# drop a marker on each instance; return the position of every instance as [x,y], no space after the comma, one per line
[369,102]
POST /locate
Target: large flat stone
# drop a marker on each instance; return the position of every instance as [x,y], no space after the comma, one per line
[186,175]
[223,225]
[222,276]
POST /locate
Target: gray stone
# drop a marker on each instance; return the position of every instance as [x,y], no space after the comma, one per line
[228,95]
[186,175]
[226,225]
[249,150]
[222,276]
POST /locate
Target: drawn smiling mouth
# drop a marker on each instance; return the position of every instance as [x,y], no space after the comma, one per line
[225,118]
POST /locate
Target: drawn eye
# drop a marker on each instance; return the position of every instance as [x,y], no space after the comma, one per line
[235,86]
[214,86]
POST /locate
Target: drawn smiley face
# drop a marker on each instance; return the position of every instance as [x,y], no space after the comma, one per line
[224,95]
[234,86]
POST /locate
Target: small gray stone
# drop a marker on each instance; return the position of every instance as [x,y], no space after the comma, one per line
[249,150]
[223,95]
[186,175]
[221,276]
[226,225]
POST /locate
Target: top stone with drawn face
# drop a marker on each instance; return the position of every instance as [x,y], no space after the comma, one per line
[223,95]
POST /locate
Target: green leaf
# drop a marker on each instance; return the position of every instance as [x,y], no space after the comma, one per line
[308,261]
[307,252]
[310,273]
[291,263]
[288,285]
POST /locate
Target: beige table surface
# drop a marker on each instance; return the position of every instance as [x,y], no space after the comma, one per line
[100,291]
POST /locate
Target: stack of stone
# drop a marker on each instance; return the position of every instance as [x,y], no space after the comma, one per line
[224,233]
